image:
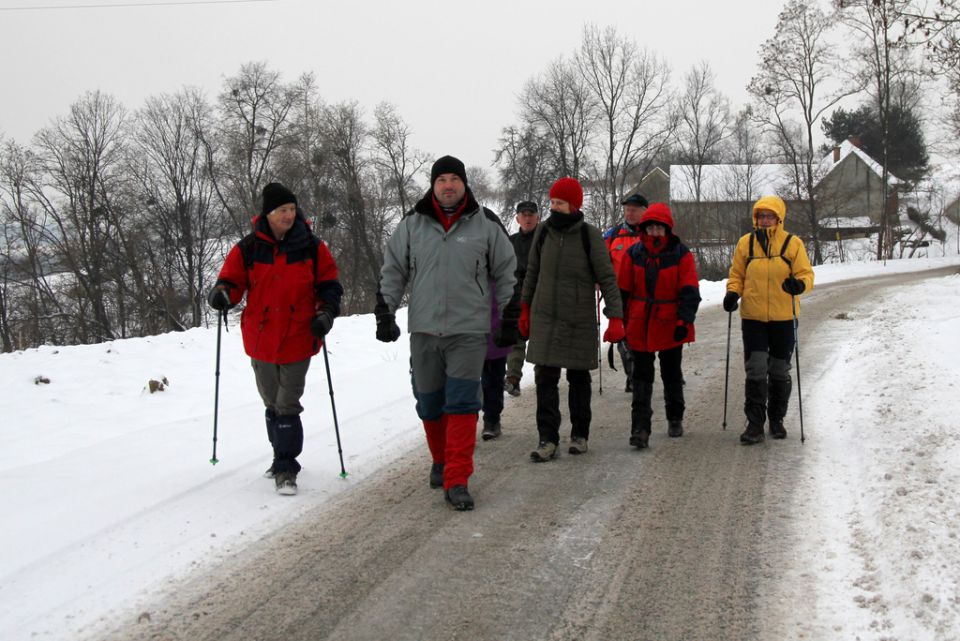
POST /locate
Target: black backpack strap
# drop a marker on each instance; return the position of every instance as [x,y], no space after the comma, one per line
[783,251]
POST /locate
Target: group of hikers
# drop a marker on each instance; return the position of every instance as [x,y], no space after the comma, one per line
[482,302]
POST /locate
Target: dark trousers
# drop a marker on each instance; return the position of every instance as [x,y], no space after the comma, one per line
[767,350]
[671,373]
[548,402]
[492,382]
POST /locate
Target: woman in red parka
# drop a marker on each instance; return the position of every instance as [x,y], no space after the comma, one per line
[661,293]
[293,295]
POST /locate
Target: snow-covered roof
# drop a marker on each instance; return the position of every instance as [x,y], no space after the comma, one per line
[729,183]
[827,164]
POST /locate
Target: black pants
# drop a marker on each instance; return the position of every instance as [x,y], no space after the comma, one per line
[671,373]
[767,350]
[548,402]
[492,382]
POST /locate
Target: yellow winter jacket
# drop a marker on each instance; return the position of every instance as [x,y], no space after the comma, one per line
[759,279]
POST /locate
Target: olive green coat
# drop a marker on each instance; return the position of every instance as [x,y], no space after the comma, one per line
[560,288]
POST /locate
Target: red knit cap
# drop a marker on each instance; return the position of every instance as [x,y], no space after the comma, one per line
[568,189]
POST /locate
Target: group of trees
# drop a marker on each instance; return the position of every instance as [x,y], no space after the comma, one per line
[114,222]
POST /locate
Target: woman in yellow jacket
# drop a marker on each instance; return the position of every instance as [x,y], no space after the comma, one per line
[769,272]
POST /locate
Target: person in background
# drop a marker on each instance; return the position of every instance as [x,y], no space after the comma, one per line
[567,260]
[293,294]
[770,271]
[446,249]
[619,239]
[494,369]
[661,294]
[528,217]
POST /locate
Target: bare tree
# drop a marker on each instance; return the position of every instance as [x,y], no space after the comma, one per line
[795,65]
[704,124]
[630,88]
[523,166]
[392,152]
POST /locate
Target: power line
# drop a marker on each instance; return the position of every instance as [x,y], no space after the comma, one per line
[129,4]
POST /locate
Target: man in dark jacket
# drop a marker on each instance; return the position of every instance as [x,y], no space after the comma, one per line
[447,249]
[293,295]
[528,217]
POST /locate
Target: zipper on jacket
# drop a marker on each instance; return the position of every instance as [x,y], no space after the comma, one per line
[476,278]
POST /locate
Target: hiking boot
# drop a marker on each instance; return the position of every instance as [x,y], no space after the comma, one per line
[752,435]
[286,483]
[544,452]
[490,430]
[436,475]
[269,473]
[578,445]
[459,498]
[512,385]
[777,430]
[640,440]
[675,428]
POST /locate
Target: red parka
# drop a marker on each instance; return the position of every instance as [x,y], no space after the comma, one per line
[286,283]
[659,284]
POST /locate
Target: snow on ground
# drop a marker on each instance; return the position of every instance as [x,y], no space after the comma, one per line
[108,496]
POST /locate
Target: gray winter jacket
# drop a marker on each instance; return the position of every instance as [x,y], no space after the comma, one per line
[447,271]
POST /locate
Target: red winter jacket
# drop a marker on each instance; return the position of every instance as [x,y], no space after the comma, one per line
[659,284]
[618,240]
[286,283]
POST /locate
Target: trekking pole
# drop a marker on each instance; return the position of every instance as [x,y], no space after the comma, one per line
[336,425]
[726,377]
[221,320]
[796,348]
[599,346]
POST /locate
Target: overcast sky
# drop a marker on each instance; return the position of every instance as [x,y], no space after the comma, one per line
[453,69]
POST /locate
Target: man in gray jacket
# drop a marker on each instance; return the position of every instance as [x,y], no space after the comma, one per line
[446,249]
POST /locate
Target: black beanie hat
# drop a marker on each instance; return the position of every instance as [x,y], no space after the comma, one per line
[448,165]
[636,199]
[274,195]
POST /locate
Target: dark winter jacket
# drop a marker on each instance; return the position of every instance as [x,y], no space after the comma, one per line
[560,288]
[521,246]
[448,270]
[286,283]
[658,280]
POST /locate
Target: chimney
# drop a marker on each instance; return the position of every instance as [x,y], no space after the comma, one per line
[836,155]
[855,141]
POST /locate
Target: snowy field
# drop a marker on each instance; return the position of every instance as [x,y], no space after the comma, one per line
[109,496]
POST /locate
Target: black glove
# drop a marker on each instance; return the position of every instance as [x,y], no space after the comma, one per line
[680,332]
[507,335]
[218,298]
[793,286]
[730,301]
[321,323]
[387,330]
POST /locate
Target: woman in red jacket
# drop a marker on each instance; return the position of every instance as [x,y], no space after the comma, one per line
[661,293]
[293,295]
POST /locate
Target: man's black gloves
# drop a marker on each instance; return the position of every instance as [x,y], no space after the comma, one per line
[793,286]
[387,329]
[507,335]
[218,298]
[730,301]
[680,332]
[321,323]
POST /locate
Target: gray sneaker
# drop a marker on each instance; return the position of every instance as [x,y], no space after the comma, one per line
[512,386]
[286,483]
[269,473]
[544,452]
[578,445]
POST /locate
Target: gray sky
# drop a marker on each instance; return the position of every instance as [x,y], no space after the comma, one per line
[453,69]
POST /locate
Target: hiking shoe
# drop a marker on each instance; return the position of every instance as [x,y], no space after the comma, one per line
[544,452]
[269,473]
[286,483]
[640,440]
[777,430]
[675,428]
[752,435]
[459,498]
[578,445]
[490,430]
[436,475]
[512,385]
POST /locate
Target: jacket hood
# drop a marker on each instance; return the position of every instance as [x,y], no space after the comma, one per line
[657,213]
[770,203]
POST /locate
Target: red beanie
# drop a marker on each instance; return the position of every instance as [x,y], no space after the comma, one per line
[568,189]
